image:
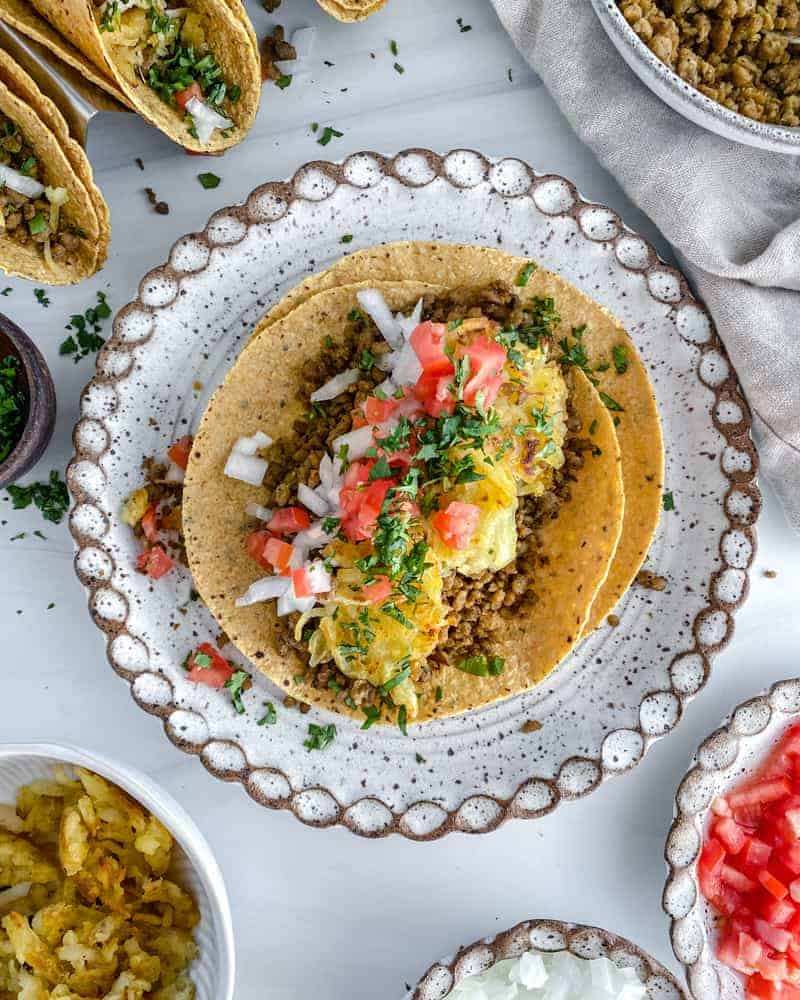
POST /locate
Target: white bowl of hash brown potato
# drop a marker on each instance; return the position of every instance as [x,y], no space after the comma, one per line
[106,883]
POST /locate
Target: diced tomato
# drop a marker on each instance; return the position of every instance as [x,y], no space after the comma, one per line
[183,97]
[377,410]
[775,937]
[709,868]
[278,554]
[427,339]
[772,885]
[760,793]
[212,670]
[772,969]
[301,582]
[180,450]
[756,853]
[731,835]
[777,912]
[289,520]
[359,420]
[486,359]
[790,856]
[456,524]
[720,806]
[728,901]
[155,562]
[149,523]
[361,517]
[434,392]
[760,989]
[737,880]
[378,591]
[255,543]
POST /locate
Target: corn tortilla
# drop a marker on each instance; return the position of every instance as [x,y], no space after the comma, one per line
[257,394]
[639,426]
[59,160]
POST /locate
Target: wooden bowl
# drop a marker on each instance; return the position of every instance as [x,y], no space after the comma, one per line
[37,384]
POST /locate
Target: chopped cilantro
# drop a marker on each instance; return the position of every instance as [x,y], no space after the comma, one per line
[202,660]
[398,678]
[6,291]
[319,737]
[381,470]
[419,758]
[270,717]
[366,360]
[347,238]
[51,497]
[402,720]
[372,713]
[13,405]
[593,427]
[463,27]
[37,224]
[438,693]
[238,683]
[85,337]
[208,180]
[393,47]
[482,666]
[284,81]
[524,275]
[328,133]
[611,404]
[398,68]
[669,501]
[40,297]
[620,355]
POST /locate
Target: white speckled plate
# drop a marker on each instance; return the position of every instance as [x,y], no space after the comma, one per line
[737,748]
[620,691]
[683,97]
[546,936]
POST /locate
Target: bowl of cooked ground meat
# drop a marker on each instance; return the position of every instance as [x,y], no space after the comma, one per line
[27,403]
[731,66]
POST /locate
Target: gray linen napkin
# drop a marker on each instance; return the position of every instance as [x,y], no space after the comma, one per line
[731,213]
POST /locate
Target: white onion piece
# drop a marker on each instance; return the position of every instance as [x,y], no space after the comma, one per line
[408,324]
[330,475]
[312,538]
[206,119]
[335,386]
[357,442]
[18,182]
[175,474]
[314,502]
[387,387]
[407,368]
[266,589]
[373,303]
[250,445]
[246,468]
[256,510]
[320,578]
[287,603]
[14,892]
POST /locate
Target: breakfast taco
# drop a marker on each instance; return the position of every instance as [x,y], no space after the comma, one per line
[54,224]
[399,505]
[588,338]
[192,70]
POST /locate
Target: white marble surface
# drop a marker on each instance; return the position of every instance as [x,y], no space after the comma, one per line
[322,913]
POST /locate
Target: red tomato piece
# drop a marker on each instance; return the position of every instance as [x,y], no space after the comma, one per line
[772,885]
[278,554]
[255,543]
[183,97]
[728,901]
[456,524]
[720,807]
[212,670]
[777,912]
[709,868]
[486,359]
[301,582]
[756,853]
[149,523]
[773,969]
[760,989]
[180,450]
[289,520]
[790,856]
[761,793]
[433,391]
[378,591]
[732,836]
[427,339]
[737,880]
[377,410]
[359,524]
[155,562]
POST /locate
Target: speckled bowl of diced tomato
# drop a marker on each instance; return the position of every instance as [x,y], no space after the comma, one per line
[733,853]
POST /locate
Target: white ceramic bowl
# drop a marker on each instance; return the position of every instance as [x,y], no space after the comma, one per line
[683,97]
[214,968]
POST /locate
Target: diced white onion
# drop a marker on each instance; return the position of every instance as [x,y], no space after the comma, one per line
[335,386]
[357,442]
[205,119]
[387,387]
[407,368]
[250,445]
[175,12]
[246,468]
[266,589]
[320,578]
[14,892]
[287,603]
[329,472]
[256,510]
[18,182]
[408,324]
[373,303]
[175,474]
[314,502]
[314,537]
[297,558]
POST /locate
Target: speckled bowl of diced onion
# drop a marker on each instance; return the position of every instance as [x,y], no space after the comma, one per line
[548,960]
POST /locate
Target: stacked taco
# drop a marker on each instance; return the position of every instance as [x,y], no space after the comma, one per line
[191,69]
[54,225]
[429,474]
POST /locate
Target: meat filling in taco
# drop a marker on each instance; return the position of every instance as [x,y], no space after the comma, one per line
[30,209]
[168,48]
[400,534]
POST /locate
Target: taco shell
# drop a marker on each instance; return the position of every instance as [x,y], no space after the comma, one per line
[259,393]
[638,426]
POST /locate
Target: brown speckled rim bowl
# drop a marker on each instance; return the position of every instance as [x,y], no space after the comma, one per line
[546,936]
[38,385]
